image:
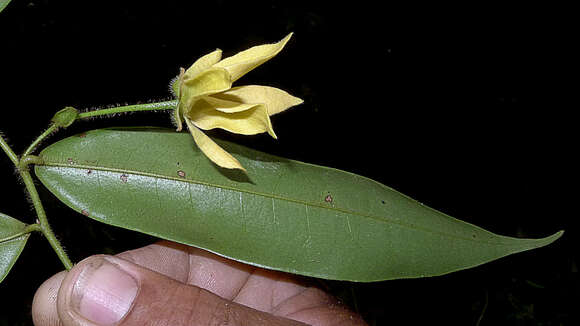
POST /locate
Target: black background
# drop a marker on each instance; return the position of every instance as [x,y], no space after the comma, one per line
[467,109]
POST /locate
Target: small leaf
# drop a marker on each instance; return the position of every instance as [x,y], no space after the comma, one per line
[10,249]
[282,215]
[3,4]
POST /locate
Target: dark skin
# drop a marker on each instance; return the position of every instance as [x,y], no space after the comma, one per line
[180,285]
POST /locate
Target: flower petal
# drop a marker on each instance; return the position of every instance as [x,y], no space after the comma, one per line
[227,106]
[276,100]
[203,63]
[212,150]
[241,63]
[210,81]
[239,119]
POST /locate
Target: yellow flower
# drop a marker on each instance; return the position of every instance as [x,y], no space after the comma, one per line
[207,99]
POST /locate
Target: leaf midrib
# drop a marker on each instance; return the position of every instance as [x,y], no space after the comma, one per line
[271,196]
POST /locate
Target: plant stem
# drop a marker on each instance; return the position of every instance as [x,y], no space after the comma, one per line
[27,159]
[484,308]
[167,105]
[13,157]
[41,214]
[28,229]
[42,225]
[52,128]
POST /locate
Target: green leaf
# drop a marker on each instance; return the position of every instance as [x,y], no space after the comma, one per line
[10,246]
[3,4]
[283,215]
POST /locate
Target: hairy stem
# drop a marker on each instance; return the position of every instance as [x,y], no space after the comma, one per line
[13,157]
[40,213]
[42,225]
[27,159]
[28,229]
[52,128]
[167,105]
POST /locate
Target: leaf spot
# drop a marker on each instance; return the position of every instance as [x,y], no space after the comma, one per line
[382,202]
[328,198]
[70,160]
[89,171]
[85,212]
[124,177]
[181,173]
[82,135]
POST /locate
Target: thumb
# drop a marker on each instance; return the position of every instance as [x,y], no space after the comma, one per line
[104,290]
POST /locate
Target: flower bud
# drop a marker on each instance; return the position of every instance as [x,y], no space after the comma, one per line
[65,117]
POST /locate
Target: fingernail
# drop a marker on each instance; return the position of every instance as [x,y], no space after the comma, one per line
[103,293]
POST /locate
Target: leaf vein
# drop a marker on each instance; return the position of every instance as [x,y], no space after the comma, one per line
[381,219]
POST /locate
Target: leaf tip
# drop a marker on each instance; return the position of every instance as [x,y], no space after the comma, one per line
[542,242]
[556,235]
